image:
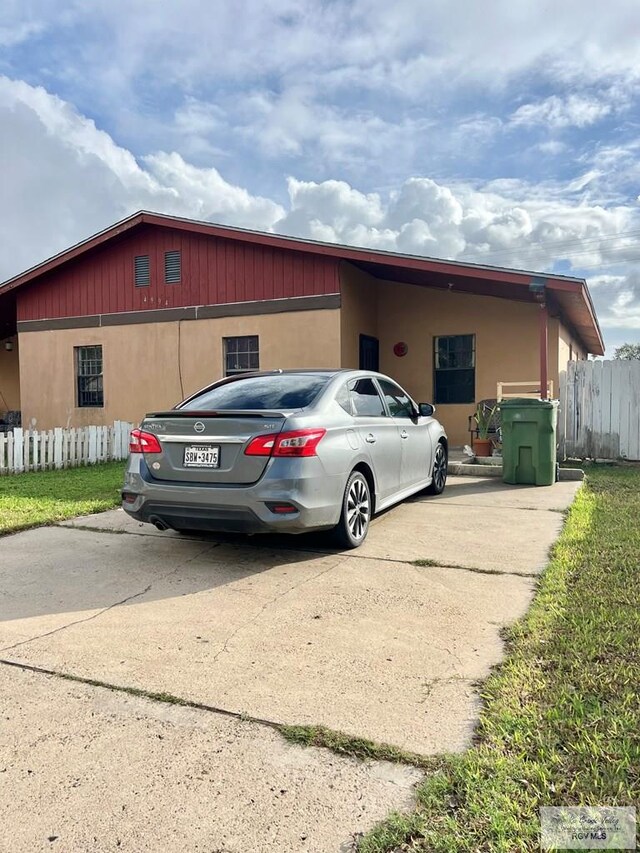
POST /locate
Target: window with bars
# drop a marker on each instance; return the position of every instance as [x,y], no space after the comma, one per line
[172,267]
[241,355]
[89,377]
[141,270]
[454,369]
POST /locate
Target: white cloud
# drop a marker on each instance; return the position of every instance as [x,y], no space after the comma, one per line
[557,112]
[294,124]
[17,27]
[553,147]
[617,300]
[408,45]
[507,223]
[366,91]
[339,84]
[69,179]
[204,194]
[13,35]
[198,117]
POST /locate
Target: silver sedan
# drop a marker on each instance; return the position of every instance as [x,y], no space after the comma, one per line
[289,451]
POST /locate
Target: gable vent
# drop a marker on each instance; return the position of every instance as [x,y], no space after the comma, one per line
[141,270]
[172,267]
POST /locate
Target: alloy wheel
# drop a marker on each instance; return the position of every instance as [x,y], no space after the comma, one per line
[358,508]
[440,468]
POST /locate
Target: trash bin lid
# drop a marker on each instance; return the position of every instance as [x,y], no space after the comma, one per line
[527,402]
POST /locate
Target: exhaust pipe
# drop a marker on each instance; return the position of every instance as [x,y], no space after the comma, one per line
[158,523]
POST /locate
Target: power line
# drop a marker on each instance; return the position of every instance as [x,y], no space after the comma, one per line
[610,264]
[576,241]
[529,257]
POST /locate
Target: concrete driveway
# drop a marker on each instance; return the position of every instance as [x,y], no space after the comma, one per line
[368,642]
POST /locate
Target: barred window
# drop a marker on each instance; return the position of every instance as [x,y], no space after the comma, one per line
[241,355]
[454,369]
[89,376]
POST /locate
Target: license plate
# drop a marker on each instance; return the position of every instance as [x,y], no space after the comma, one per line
[202,456]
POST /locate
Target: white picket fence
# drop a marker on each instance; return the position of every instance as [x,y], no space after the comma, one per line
[33,450]
[599,414]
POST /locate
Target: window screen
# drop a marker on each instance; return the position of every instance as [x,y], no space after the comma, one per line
[241,355]
[89,376]
[454,362]
[172,267]
[141,270]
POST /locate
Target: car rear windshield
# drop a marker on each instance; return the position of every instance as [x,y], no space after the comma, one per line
[284,391]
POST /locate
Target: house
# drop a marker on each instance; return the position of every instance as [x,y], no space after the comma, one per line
[151,309]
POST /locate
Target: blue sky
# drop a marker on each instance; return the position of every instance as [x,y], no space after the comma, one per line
[504,133]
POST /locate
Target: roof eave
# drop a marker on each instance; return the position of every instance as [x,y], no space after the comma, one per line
[73,252]
[594,343]
[341,252]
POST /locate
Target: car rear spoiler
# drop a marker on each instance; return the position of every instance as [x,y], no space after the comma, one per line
[223,413]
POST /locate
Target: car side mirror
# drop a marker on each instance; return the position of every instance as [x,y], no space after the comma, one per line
[426,410]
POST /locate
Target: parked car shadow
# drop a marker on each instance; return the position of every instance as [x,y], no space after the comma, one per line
[57,570]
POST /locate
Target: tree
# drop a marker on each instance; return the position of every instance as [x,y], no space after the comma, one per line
[627,351]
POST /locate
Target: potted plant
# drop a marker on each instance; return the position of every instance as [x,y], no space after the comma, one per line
[482,444]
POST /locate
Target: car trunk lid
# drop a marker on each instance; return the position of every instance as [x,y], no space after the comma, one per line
[208,447]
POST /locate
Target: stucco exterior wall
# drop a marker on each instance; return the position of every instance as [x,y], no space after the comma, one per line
[506,343]
[9,377]
[507,338]
[359,314]
[569,349]
[141,362]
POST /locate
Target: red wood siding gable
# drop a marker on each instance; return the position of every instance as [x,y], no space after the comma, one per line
[214,271]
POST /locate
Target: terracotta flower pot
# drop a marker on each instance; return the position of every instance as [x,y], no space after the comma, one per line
[482,446]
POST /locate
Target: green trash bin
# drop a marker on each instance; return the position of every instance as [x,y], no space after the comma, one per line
[529,441]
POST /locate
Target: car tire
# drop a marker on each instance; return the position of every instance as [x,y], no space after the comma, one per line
[439,474]
[355,517]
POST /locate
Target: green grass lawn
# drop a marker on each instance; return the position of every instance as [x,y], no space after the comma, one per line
[561,720]
[42,497]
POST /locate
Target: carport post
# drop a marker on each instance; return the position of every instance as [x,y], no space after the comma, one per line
[544,346]
[537,288]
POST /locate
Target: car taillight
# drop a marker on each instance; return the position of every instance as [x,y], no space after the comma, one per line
[143,442]
[261,445]
[299,442]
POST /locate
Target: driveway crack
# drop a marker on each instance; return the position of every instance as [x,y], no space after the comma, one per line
[326,552]
[430,686]
[451,654]
[109,607]
[267,604]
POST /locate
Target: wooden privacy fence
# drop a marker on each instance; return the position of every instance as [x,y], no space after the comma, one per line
[33,450]
[599,415]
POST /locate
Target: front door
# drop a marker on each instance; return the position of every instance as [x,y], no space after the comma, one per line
[369,353]
[414,437]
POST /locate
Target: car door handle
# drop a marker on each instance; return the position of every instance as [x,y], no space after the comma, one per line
[404,434]
[371,438]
